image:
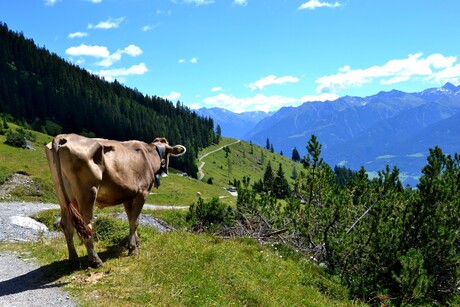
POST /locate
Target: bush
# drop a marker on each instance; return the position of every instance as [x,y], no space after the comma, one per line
[110,230]
[209,216]
[19,138]
[15,140]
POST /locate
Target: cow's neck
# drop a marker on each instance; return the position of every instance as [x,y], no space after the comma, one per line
[162,169]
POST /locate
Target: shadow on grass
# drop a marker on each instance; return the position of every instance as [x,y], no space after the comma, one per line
[47,276]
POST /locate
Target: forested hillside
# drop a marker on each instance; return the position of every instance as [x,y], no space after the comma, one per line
[53,96]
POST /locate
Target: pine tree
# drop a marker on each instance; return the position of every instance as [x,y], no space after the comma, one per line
[218,134]
[295,155]
[268,178]
[280,184]
[436,222]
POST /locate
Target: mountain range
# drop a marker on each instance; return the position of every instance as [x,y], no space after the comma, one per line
[392,128]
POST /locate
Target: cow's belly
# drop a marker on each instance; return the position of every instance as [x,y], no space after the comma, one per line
[114,196]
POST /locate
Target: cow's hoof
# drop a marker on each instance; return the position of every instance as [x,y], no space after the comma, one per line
[96,264]
[133,252]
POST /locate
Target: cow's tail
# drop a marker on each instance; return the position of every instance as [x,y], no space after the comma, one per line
[82,228]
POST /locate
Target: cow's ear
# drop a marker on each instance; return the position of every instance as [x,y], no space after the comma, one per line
[176,150]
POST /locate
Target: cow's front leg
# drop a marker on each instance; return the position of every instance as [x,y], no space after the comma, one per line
[133,210]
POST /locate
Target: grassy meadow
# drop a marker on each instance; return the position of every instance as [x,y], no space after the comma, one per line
[244,160]
[178,268]
[184,269]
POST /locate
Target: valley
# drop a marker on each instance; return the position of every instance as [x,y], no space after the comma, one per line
[390,128]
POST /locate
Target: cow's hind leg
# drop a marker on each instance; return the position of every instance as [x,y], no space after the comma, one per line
[68,230]
[133,210]
[86,205]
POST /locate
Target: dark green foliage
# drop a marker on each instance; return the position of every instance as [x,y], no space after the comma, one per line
[295,155]
[435,222]
[227,151]
[218,134]
[269,178]
[280,184]
[110,230]
[209,216]
[5,124]
[343,175]
[40,88]
[387,243]
[19,138]
[15,139]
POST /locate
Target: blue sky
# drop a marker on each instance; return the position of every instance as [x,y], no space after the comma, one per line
[247,55]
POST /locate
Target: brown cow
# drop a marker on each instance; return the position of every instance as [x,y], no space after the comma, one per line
[90,171]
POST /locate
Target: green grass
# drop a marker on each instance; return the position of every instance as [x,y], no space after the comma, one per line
[184,269]
[243,161]
[33,163]
[176,190]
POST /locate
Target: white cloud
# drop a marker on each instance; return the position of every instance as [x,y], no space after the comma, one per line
[241,2]
[88,50]
[108,24]
[193,60]
[259,102]
[77,34]
[216,89]
[434,67]
[173,96]
[146,28]
[199,2]
[108,59]
[51,2]
[344,69]
[95,1]
[314,4]
[270,80]
[132,50]
[321,97]
[449,74]
[112,74]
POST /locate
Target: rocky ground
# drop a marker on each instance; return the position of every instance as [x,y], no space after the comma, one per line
[22,281]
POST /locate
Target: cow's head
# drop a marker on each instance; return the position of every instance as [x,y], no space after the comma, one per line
[165,151]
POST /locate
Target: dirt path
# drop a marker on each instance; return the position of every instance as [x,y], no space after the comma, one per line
[202,163]
[22,281]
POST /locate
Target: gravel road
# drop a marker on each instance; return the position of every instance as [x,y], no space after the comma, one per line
[22,281]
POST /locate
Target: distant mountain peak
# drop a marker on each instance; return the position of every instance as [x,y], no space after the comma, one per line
[449,86]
